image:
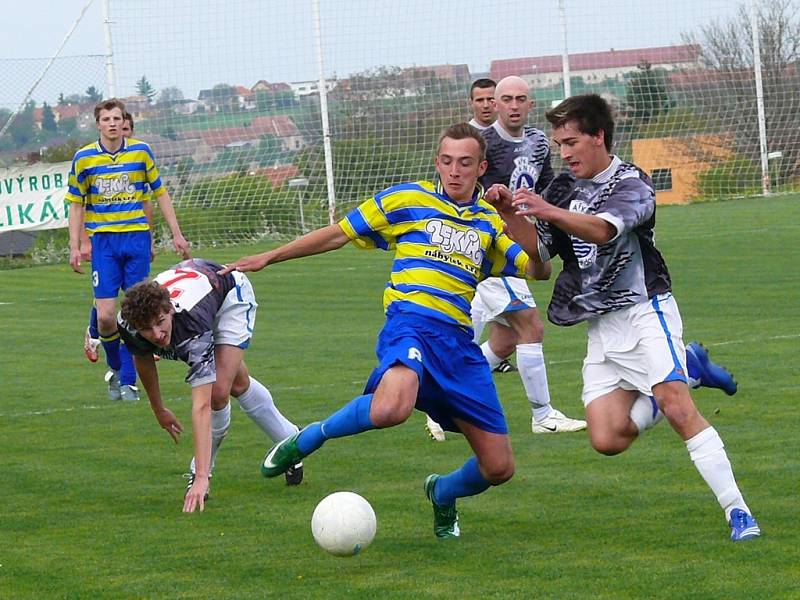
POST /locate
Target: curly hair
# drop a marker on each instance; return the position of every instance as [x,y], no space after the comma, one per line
[143,303]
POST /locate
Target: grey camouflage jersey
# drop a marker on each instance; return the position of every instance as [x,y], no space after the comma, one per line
[517,163]
[197,293]
[626,270]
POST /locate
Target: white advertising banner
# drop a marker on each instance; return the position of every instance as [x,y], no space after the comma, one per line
[32,197]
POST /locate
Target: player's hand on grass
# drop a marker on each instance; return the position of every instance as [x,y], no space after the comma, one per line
[246,263]
[152,251]
[169,422]
[75,261]
[195,497]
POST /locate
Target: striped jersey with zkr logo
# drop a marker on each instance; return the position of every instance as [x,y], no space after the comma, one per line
[113,186]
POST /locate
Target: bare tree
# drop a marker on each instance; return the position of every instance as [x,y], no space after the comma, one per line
[726,92]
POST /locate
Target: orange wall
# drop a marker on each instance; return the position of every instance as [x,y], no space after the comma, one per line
[685,156]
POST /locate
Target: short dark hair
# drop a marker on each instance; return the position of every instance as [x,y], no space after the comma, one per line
[143,303]
[483,83]
[462,131]
[126,116]
[109,104]
[589,111]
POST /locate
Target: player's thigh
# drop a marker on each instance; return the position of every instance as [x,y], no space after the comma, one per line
[527,325]
[609,414]
[493,450]
[228,362]
[394,399]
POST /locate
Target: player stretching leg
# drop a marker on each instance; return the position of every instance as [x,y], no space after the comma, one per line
[427,358]
[600,221]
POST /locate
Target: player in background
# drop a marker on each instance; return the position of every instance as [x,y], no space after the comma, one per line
[192,314]
[518,156]
[481,102]
[427,357]
[109,186]
[599,219]
[91,340]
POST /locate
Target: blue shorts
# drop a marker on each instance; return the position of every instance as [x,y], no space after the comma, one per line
[119,260]
[454,377]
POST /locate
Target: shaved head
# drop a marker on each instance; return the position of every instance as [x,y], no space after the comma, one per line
[511,85]
[513,101]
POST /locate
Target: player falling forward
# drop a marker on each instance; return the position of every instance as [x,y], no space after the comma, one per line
[600,221]
[107,192]
[427,359]
[192,314]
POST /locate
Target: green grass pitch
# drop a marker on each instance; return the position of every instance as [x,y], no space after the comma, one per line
[92,490]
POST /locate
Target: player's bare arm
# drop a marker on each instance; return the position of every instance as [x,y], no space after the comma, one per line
[318,241]
[178,241]
[201,432]
[148,374]
[589,228]
[75,227]
[147,207]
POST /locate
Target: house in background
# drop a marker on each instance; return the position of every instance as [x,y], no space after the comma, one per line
[594,67]
[674,163]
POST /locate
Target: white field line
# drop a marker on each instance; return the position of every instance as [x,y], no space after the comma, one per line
[111,405]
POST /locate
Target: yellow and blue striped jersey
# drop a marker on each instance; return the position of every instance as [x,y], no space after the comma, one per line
[112,187]
[442,249]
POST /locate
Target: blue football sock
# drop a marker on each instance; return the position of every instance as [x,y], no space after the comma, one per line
[93,331]
[127,372]
[111,348]
[466,481]
[352,418]
[692,368]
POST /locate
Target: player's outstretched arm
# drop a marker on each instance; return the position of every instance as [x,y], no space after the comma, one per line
[318,241]
[148,374]
[201,432]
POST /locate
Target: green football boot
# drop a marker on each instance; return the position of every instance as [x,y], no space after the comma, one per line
[281,457]
[445,518]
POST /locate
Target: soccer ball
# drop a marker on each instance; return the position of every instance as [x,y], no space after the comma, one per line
[343,523]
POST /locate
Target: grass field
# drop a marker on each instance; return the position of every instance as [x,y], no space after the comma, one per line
[92,490]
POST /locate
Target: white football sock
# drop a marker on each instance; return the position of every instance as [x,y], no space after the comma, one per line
[642,412]
[491,357]
[532,370]
[708,454]
[257,404]
[478,324]
[220,423]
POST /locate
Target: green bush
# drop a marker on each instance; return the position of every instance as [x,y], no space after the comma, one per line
[737,176]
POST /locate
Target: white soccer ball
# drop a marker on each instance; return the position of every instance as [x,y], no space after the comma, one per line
[343,523]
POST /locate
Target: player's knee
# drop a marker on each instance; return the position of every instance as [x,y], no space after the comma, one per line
[504,348]
[386,412]
[608,443]
[677,406]
[499,470]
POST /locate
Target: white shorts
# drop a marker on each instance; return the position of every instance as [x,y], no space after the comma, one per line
[236,317]
[497,295]
[634,349]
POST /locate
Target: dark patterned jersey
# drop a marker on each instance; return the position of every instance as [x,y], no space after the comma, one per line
[517,162]
[196,293]
[626,270]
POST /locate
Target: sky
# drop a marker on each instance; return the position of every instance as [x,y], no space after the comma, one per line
[195,44]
